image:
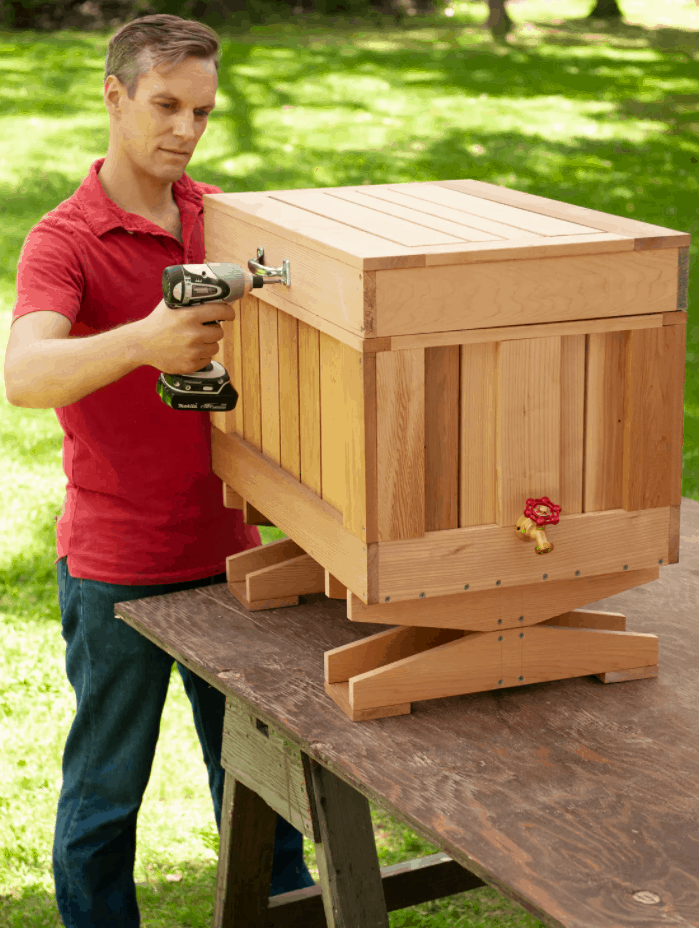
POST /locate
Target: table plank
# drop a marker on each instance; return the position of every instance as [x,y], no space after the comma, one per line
[569,796]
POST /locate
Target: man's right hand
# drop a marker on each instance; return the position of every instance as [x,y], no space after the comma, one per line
[178,341]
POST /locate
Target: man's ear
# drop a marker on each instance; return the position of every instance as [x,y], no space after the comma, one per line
[114,93]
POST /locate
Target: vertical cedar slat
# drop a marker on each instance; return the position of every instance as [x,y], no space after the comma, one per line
[529,424]
[477,480]
[333,422]
[289,394]
[400,402]
[572,422]
[236,370]
[604,421]
[654,397]
[221,419]
[250,351]
[309,407]
[442,438]
[269,382]
[354,374]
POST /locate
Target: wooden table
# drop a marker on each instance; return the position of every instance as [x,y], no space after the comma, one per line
[576,799]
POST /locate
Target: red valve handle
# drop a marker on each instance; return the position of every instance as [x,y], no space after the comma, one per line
[542,511]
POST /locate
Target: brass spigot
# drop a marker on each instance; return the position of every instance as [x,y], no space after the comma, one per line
[537,514]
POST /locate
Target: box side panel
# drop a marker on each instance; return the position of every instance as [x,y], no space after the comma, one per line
[359,412]
[528,430]
[269,383]
[309,400]
[572,422]
[604,421]
[442,390]
[250,355]
[290,441]
[486,557]
[477,478]
[400,402]
[503,293]
[296,510]
[333,422]
[652,455]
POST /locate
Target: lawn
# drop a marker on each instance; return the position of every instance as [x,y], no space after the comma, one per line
[571,110]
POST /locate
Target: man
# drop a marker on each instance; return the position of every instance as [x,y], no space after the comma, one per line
[143,512]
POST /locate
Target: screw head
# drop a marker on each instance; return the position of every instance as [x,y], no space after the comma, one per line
[499,682]
[520,679]
[545,577]
[521,619]
[422,595]
[466,586]
[499,621]
[497,583]
[577,573]
[626,566]
[387,599]
[660,561]
[500,637]
[521,634]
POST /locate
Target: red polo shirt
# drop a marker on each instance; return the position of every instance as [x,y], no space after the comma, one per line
[142,505]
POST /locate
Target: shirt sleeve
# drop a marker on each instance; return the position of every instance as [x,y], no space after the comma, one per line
[49,273]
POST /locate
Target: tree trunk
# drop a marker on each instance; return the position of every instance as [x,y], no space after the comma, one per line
[499,22]
[606,9]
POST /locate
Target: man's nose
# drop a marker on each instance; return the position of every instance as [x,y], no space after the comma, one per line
[184,126]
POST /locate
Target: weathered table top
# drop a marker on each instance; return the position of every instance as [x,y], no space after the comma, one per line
[576,799]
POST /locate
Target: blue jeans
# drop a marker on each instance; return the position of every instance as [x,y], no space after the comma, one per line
[120,680]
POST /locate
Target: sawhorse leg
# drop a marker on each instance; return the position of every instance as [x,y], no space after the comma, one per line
[266,775]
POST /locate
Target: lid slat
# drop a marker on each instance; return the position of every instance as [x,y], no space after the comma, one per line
[422,217]
[489,209]
[362,217]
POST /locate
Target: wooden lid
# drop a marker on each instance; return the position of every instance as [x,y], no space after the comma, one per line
[440,223]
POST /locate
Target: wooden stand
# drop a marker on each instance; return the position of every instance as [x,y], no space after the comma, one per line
[454,645]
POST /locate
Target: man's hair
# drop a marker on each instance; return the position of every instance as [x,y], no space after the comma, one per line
[155,40]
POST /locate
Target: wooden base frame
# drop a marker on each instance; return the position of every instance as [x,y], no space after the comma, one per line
[273,575]
[382,675]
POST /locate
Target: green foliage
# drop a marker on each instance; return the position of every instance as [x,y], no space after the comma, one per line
[606,119]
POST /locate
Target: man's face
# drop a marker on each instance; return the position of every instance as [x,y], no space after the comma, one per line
[159,128]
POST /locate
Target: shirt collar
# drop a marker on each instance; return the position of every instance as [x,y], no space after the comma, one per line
[102,214]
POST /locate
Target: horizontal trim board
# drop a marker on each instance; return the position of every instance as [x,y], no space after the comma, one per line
[314,525]
[541,290]
[519,249]
[515,332]
[489,556]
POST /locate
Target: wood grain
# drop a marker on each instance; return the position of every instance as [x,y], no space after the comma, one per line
[269,382]
[486,661]
[536,290]
[400,403]
[235,355]
[357,406]
[442,392]
[503,607]
[604,421]
[289,403]
[528,430]
[573,352]
[245,562]
[333,422]
[516,332]
[309,407]
[295,509]
[508,782]
[250,351]
[478,423]
[632,228]
[294,577]
[594,543]
[654,403]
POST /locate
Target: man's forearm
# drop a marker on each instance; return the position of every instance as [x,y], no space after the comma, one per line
[56,372]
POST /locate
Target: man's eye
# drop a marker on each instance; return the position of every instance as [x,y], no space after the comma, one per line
[203,113]
[166,106]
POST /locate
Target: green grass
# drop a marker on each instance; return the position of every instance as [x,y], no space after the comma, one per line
[571,110]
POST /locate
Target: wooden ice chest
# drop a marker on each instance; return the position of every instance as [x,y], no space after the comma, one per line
[444,352]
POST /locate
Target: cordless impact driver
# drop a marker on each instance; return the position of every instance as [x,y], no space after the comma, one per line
[186,285]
